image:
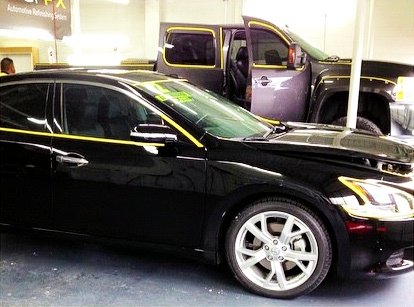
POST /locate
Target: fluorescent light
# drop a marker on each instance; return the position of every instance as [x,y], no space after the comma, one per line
[94,59]
[97,40]
[28,33]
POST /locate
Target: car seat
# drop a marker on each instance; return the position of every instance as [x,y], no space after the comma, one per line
[81,115]
[239,69]
[113,116]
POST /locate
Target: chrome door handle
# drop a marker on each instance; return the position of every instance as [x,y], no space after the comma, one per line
[77,161]
[263,80]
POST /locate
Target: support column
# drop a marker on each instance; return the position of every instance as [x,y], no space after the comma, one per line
[152,26]
[354,82]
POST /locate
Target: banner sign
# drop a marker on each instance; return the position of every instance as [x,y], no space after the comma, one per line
[53,16]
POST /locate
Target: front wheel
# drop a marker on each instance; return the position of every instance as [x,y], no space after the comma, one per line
[278,248]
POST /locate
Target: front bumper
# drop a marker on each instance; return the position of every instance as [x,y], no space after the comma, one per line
[381,249]
[402,121]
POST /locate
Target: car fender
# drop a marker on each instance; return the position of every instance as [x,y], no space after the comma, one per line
[329,85]
[236,194]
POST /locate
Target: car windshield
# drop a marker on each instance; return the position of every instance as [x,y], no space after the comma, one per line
[213,113]
[314,52]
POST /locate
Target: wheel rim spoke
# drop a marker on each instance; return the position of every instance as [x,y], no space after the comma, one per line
[287,229]
[288,233]
[299,257]
[276,269]
[271,274]
[280,274]
[255,257]
[258,233]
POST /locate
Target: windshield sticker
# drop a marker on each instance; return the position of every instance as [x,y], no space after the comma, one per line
[181,97]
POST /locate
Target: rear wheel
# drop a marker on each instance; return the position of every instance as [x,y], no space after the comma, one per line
[362,123]
[278,248]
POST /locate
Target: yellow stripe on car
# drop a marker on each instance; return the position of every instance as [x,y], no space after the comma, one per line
[80,137]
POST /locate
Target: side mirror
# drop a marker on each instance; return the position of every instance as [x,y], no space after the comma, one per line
[296,57]
[152,133]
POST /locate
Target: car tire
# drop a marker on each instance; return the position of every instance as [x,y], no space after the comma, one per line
[287,258]
[362,123]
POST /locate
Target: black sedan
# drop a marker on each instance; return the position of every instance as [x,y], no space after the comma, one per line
[153,161]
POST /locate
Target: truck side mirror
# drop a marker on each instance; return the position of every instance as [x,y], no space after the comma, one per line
[296,57]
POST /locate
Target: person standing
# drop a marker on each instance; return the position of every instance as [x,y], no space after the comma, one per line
[7,67]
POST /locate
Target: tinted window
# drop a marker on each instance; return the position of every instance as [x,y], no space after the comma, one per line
[101,112]
[22,106]
[268,48]
[190,49]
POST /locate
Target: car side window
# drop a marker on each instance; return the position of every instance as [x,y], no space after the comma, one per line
[190,49]
[23,106]
[268,48]
[101,112]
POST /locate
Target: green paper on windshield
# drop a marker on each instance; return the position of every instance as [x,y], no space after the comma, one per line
[182,97]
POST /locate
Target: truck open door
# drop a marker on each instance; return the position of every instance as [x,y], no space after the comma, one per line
[194,52]
[280,78]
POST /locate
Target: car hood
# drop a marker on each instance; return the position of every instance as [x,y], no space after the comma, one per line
[379,69]
[314,139]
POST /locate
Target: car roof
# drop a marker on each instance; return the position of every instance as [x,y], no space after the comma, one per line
[129,76]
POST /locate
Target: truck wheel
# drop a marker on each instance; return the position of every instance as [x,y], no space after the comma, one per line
[278,248]
[362,123]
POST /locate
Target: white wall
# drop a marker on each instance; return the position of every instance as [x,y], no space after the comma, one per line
[122,31]
[201,11]
[394,30]
[329,25]
[109,31]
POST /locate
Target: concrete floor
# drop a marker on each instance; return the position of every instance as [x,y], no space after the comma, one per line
[39,271]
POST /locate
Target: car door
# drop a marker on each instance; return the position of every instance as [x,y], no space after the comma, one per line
[193,52]
[277,92]
[25,151]
[107,185]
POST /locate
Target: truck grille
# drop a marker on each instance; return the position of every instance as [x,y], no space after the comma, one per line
[406,170]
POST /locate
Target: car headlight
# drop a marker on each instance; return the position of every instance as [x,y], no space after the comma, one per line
[375,199]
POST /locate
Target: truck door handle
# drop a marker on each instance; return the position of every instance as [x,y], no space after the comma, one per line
[71,160]
[263,80]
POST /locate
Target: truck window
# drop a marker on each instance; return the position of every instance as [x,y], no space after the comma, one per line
[268,48]
[239,40]
[190,48]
